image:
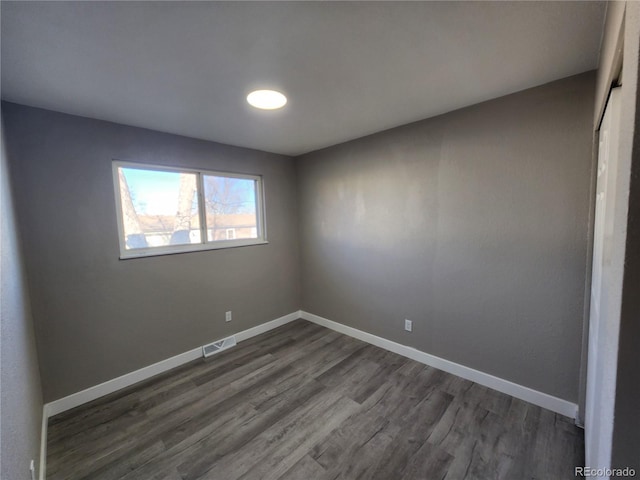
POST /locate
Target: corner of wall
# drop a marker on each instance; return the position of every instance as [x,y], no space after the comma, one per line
[21,416]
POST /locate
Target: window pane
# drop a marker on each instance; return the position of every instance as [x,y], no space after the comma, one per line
[231,208]
[158,208]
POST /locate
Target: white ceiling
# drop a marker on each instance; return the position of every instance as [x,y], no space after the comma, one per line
[348,69]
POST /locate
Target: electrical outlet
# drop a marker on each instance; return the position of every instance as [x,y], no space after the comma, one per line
[408,325]
[32,469]
[227,316]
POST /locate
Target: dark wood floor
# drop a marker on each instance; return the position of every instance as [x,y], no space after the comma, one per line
[302,402]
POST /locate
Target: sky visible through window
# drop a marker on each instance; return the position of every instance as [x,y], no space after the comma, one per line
[155,192]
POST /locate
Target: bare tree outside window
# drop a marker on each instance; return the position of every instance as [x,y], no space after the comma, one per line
[230,204]
[133,230]
[158,208]
[184,215]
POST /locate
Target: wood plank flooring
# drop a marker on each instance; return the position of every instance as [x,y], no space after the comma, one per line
[302,403]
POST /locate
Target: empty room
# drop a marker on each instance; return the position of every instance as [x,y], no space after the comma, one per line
[320,240]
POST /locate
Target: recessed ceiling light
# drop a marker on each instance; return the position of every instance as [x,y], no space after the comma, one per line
[266,99]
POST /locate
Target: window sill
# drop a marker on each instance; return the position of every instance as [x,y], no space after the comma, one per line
[158,251]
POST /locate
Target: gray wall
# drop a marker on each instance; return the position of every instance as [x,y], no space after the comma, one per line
[473,224]
[97,317]
[20,397]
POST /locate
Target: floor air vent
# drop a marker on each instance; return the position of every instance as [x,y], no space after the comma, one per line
[218,346]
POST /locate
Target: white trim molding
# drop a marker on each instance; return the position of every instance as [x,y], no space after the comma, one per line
[115,384]
[42,468]
[527,394]
[265,327]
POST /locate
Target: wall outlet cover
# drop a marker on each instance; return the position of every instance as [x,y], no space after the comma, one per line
[408,325]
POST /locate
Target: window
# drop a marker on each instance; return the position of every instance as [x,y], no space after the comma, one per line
[163,210]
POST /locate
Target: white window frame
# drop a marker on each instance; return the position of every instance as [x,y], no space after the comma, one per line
[204,243]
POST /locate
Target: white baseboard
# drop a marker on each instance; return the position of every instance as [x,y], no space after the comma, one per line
[115,384]
[265,327]
[527,394]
